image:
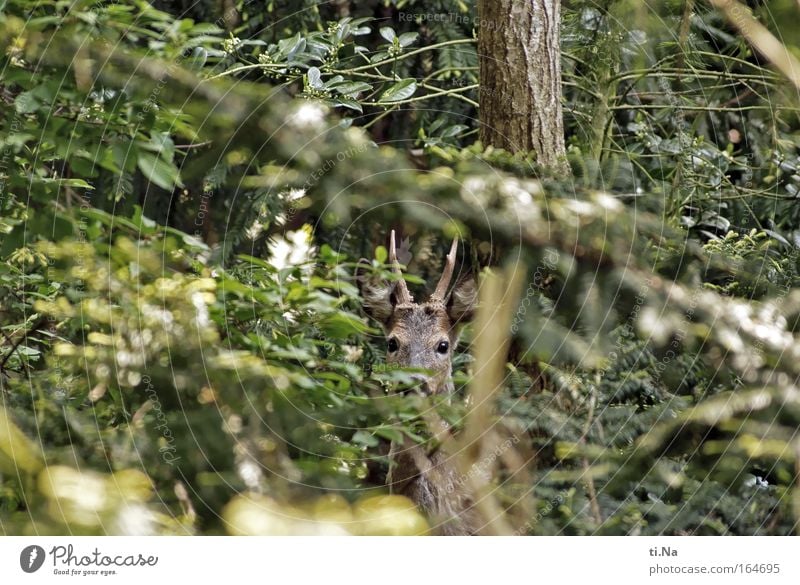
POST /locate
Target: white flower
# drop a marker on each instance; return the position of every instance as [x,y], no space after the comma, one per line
[608,202]
[134,520]
[580,207]
[308,115]
[199,303]
[291,249]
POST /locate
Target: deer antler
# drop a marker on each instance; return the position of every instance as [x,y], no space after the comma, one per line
[447,274]
[401,289]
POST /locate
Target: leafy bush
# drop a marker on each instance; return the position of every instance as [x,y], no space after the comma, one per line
[183,346]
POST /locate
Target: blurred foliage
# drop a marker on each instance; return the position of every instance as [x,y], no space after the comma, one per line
[183,349]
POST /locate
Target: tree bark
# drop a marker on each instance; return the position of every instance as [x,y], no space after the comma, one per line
[520,76]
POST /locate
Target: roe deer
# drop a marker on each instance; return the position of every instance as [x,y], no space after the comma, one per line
[424,335]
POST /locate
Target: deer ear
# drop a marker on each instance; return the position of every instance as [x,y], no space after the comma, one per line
[462,300]
[378,294]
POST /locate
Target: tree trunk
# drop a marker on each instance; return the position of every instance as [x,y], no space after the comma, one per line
[520,69]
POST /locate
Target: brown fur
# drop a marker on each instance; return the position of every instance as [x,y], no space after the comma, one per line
[431,480]
[419,329]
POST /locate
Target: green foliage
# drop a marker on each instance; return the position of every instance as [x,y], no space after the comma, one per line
[183,349]
[760,264]
[203,371]
[340,66]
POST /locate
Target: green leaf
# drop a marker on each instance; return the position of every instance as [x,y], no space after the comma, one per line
[188,240]
[390,433]
[399,91]
[198,58]
[146,225]
[26,103]
[297,47]
[124,153]
[454,130]
[109,220]
[75,183]
[343,32]
[352,88]
[388,33]
[161,143]
[341,325]
[333,82]
[348,103]
[83,165]
[158,171]
[205,28]
[260,262]
[364,438]
[17,140]
[408,38]
[381,254]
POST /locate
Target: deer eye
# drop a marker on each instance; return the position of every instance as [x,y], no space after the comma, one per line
[442,347]
[392,345]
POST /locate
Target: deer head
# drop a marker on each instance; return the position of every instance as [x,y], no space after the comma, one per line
[421,335]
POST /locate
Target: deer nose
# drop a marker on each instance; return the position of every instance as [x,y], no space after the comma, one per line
[421,384]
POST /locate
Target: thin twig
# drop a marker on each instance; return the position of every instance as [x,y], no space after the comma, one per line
[190,146]
[22,338]
[412,53]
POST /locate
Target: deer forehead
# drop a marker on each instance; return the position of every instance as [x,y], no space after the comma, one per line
[419,321]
